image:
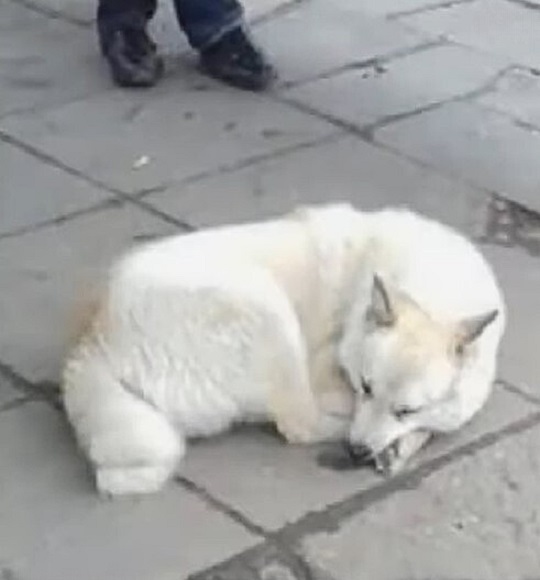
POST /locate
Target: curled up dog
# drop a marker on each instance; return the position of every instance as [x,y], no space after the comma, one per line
[378,328]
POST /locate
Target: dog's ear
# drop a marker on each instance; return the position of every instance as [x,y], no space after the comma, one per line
[381,310]
[470,329]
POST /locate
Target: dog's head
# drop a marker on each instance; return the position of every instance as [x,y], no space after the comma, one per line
[404,367]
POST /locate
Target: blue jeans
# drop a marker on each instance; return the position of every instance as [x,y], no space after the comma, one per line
[203,21]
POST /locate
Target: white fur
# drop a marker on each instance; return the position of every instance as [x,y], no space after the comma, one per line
[196,332]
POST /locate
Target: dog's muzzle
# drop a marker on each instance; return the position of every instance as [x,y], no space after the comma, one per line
[361,455]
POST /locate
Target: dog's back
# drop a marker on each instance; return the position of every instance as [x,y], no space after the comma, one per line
[437,266]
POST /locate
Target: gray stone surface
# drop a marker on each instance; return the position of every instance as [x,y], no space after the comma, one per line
[517,93]
[78,11]
[392,8]
[42,273]
[319,36]
[456,524]
[180,136]
[267,480]
[34,192]
[36,70]
[479,145]
[346,169]
[506,28]
[400,85]
[54,527]
[520,278]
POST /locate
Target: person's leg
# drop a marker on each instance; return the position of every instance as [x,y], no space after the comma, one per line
[217,29]
[125,43]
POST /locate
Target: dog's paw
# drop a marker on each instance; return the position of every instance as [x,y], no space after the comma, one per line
[115,481]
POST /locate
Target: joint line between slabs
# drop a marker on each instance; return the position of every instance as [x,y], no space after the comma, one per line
[330,518]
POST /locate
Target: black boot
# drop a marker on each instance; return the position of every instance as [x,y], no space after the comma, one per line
[133,58]
[235,60]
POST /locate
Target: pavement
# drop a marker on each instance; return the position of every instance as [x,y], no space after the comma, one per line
[426,103]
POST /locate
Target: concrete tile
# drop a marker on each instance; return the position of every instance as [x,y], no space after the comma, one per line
[400,85]
[519,275]
[388,7]
[77,11]
[347,169]
[35,70]
[33,192]
[317,37]
[495,26]
[41,274]
[183,129]
[274,484]
[476,518]
[482,146]
[54,526]
[517,93]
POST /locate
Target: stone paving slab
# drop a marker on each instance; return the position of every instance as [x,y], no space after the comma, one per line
[346,169]
[519,274]
[517,93]
[42,273]
[274,484]
[462,139]
[34,192]
[36,68]
[124,127]
[478,518]
[319,36]
[54,527]
[398,86]
[391,8]
[504,27]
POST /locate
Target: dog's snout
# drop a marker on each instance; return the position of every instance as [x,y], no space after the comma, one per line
[361,454]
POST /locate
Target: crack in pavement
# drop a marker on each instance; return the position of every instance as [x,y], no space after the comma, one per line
[485,88]
[375,62]
[283,543]
[45,391]
[61,219]
[15,404]
[138,198]
[515,390]
[223,507]
[332,516]
[245,163]
[367,131]
[427,8]
[52,13]
[277,11]
[115,192]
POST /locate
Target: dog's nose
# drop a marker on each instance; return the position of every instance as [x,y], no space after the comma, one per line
[361,454]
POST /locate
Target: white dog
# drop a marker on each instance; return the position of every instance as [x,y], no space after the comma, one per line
[193,333]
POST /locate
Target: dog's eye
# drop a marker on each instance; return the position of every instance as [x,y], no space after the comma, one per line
[366,387]
[404,412]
